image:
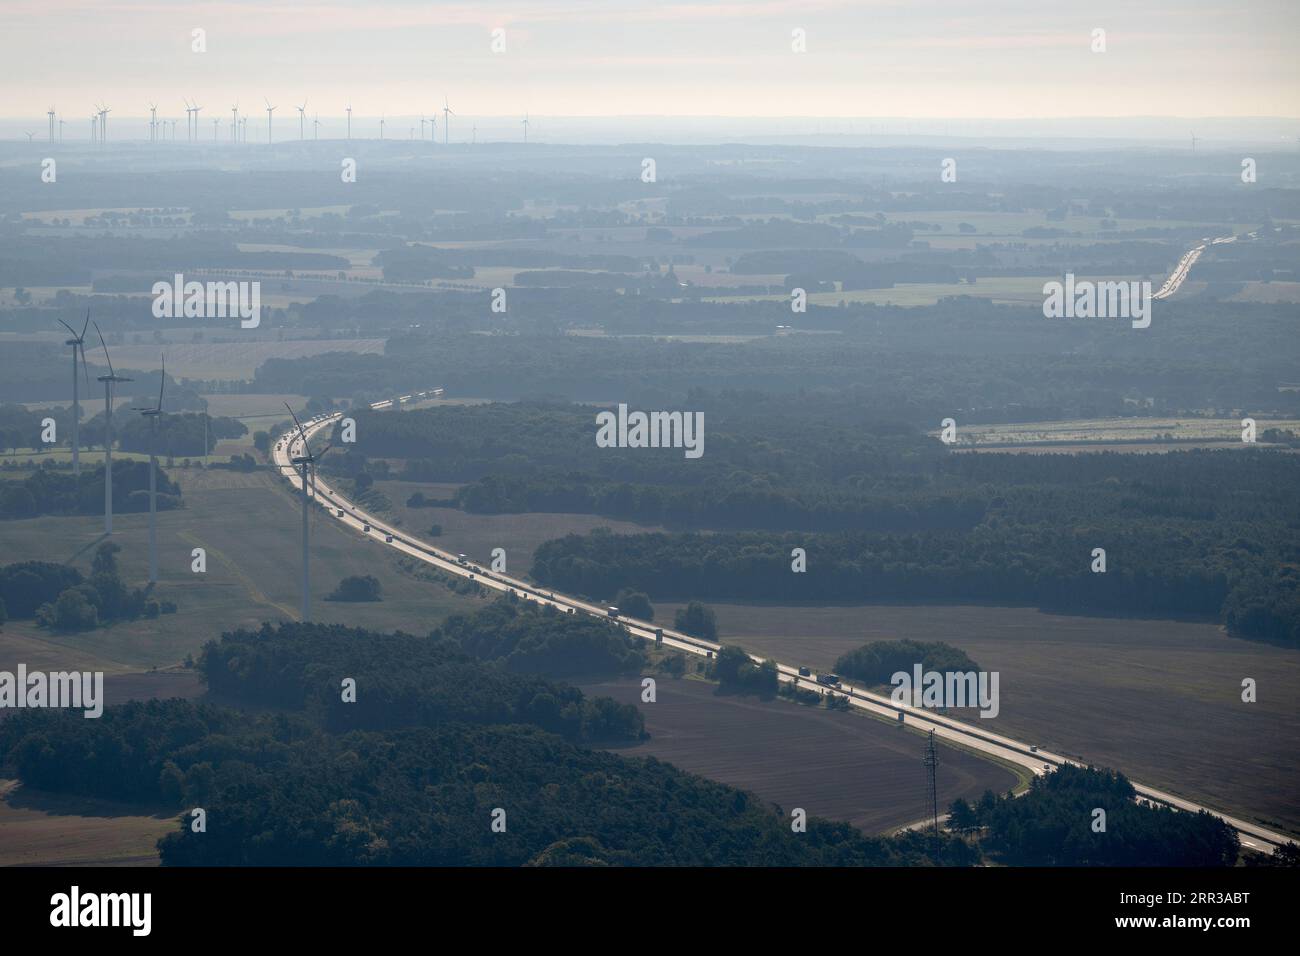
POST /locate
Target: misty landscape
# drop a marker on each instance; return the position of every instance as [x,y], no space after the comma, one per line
[468,481]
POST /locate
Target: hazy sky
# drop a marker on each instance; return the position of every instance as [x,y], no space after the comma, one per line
[998,58]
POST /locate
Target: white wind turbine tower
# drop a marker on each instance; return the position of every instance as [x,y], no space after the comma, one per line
[301,113]
[196,109]
[153,122]
[305,461]
[50,114]
[349,122]
[216,125]
[234,123]
[103,124]
[94,126]
[61,124]
[30,134]
[381,127]
[78,343]
[189,121]
[269,110]
[316,127]
[109,380]
[525,127]
[152,414]
[446,126]
[423,123]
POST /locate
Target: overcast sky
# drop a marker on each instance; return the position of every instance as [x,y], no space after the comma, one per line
[998,58]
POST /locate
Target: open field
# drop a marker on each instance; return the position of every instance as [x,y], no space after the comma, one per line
[1159,700]
[1104,431]
[841,766]
[48,829]
[1015,289]
[477,535]
[234,359]
[251,529]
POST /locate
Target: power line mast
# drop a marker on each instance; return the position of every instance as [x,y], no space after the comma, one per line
[931,762]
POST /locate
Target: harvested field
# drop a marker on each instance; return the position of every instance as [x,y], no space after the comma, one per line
[1159,700]
[841,766]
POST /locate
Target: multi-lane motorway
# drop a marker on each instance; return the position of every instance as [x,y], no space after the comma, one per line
[970,736]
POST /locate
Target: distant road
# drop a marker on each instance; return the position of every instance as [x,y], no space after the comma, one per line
[1184,267]
[966,735]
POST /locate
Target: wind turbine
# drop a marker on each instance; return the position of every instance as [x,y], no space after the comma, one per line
[50,114]
[216,125]
[196,109]
[300,110]
[189,120]
[94,128]
[381,127]
[30,134]
[153,122]
[525,127]
[446,126]
[423,123]
[109,381]
[307,463]
[316,127]
[103,124]
[78,343]
[349,121]
[61,124]
[152,414]
[234,122]
[269,110]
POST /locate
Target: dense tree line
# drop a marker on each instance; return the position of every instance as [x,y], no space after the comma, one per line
[1152,570]
[26,585]
[963,357]
[279,791]
[525,638]
[1053,825]
[401,681]
[176,435]
[49,492]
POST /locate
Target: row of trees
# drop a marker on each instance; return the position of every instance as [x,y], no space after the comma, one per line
[48,492]
[403,680]
[1152,569]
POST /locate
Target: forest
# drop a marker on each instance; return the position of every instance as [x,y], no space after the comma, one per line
[49,492]
[1054,824]
[401,681]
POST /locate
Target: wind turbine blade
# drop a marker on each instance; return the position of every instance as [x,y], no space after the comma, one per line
[66,326]
[162,381]
[322,454]
[84,327]
[84,370]
[105,347]
[301,433]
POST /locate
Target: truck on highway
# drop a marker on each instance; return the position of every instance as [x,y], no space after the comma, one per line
[611,611]
[830,680]
[462,559]
[805,672]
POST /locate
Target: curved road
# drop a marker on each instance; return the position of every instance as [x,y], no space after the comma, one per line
[966,735]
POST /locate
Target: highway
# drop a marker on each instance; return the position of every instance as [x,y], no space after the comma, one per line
[963,734]
[1184,267]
